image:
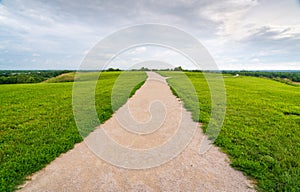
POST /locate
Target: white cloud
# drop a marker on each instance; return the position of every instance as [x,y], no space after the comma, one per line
[138,50]
[255,60]
[35,55]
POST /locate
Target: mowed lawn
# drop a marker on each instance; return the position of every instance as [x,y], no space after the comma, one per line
[261,131]
[37,122]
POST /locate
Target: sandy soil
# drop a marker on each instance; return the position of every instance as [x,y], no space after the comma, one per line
[150,120]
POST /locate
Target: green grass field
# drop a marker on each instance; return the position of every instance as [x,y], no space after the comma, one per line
[37,122]
[261,131]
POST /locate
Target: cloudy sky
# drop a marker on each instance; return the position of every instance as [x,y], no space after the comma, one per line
[240,34]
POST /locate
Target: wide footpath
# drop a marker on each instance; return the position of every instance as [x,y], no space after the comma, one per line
[159,114]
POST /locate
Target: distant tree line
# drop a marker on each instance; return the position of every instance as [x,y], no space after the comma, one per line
[179,68]
[112,69]
[14,77]
[293,76]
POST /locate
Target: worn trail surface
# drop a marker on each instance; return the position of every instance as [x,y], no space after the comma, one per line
[82,170]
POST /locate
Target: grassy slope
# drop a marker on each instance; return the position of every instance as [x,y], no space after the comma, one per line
[37,123]
[66,77]
[261,132]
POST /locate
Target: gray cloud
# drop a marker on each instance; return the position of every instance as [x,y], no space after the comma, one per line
[266,33]
[231,30]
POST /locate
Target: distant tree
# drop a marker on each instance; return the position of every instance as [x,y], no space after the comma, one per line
[179,68]
[112,69]
[144,69]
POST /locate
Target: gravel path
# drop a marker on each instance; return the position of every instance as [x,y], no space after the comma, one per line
[82,170]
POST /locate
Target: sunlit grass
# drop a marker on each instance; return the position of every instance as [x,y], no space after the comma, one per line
[37,122]
[261,131]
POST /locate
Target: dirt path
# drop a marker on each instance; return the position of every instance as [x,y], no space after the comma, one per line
[82,170]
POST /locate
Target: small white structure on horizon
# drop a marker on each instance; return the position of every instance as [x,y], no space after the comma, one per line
[237,75]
